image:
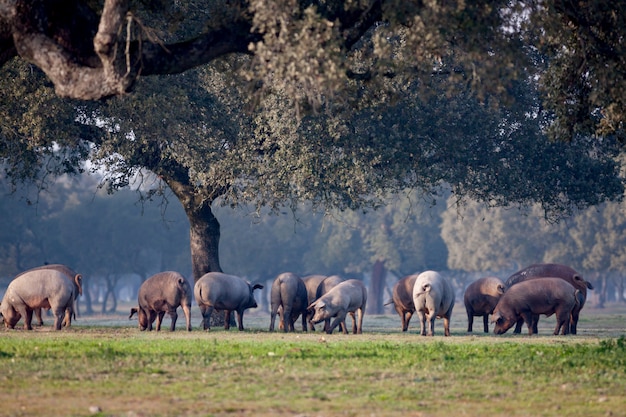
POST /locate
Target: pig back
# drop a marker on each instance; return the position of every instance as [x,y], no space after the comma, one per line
[169,286]
[41,288]
[75,278]
[484,293]
[223,291]
[349,295]
[539,271]
[539,296]
[311,282]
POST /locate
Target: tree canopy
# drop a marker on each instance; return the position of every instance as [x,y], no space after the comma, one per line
[340,103]
[314,51]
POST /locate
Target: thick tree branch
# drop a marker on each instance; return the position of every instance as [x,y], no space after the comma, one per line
[115,60]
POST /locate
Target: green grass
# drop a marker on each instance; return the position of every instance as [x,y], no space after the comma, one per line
[383,372]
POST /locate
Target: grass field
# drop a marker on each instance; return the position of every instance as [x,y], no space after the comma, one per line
[105,366]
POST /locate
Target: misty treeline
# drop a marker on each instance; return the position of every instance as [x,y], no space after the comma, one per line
[117,241]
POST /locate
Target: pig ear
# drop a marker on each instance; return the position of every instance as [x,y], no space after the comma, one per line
[133,311]
[495,317]
[501,289]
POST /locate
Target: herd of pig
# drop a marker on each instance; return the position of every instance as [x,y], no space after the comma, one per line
[538,289]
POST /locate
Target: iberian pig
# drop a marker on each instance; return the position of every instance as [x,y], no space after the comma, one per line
[163,293]
[480,298]
[311,282]
[433,296]
[45,288]
[326,285]
[538,271]
[76,279]
[527,299]
[402,299]
[288,293]
[346,297]
[219,291]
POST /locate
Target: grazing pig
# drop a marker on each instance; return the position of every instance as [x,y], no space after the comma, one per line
[220,291]
[75,278]
[402,299]
[45,288]
[538,271]
[480,298]
[288,293]
[326,285]
[346,297]
[527,299]
[163,293]
[433,296]
[311,282]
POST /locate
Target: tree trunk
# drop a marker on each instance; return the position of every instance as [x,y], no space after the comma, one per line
[377,288]
[204,236]
[204,229]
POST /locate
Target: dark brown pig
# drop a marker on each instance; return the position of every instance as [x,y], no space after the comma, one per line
[288,293]
[402,299]
[480,298]
[219,291]
[46,288]
[433,296]
[538,271]
[76,279]
[163,293]
[528,299]
[311,282]
[346,297]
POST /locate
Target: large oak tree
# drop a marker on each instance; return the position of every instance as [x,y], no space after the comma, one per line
[334,102]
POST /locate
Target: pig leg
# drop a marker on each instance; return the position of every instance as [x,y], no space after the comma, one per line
[174,316]
[38,315]
[227,319]
[422,317]
[159,320]
[562,323]
[273,317]
[446,326]
[486,323]
[27,313]
[187,312]
[206,316]
[406,319]
[304,317]
[470,321]
[59,316]
[151,317]
[240,318]
[430,320]
[286,319]
[339,319]
[359,329]
[518,326]
[528,319]
[353,322]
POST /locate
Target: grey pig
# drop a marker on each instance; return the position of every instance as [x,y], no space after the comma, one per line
[290,295]
[346,297]
[216,290]
[45,288]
